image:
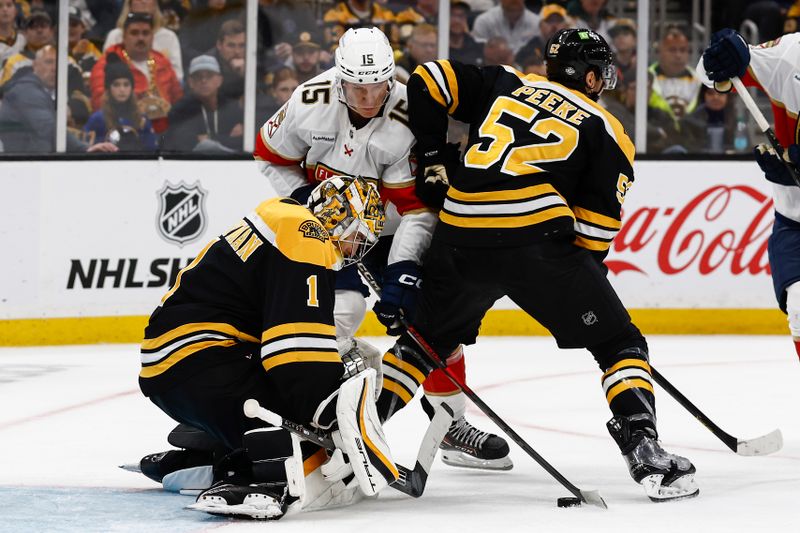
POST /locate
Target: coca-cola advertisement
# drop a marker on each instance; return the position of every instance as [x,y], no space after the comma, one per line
[694,235]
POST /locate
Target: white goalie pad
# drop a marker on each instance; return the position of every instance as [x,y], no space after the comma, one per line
[313,489]
[361,435]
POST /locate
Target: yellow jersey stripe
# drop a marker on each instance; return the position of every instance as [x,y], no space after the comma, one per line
[396,388]
[627,362]
[179,355]
[217,327]
[430,83]
[589,244]
[503,196]
[506,222]
[596,218]
[408,368]
[450,74]
[186,269]
[627,384]
[375,450]
[298,328]
[300,357]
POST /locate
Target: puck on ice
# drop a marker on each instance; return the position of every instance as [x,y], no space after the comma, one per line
[569,502]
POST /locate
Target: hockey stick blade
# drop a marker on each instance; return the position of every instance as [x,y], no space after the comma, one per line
[410,482]
[764,126]
[592,497]
[764,445]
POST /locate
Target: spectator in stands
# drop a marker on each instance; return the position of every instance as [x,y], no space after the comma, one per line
[592,14]
[81,50]
[105,16]
[165,41]
[11,41]
[358,14]
[479,6]
[712,126]
[201,121]
[306,57]
[496,51]
[200,27]
[279,24]
[422,12]
[28,111]
[119,120]
[662,131]
[534,65]
[421,49]
[623,40]
[676,86]
[229,53]
[510,20]
[278,87]
[38,32]
[154,81]
[552,18]
[463,47]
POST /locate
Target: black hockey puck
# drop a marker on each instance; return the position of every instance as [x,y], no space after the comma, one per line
[569,502]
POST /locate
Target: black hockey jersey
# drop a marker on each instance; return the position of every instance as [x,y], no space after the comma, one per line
[268,282]
[542,160]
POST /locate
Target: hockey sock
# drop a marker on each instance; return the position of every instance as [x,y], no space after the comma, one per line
[628,388]
[403,372]
[438,384]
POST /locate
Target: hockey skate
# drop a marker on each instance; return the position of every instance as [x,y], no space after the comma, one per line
[260,501]
[466,446]
[664,476]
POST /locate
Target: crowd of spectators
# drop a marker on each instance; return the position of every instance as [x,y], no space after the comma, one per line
[147,75]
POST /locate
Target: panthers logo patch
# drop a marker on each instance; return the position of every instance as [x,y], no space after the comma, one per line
[313,230]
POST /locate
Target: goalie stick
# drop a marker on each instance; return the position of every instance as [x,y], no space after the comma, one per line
[764,445]
[764,126]
[411,482]
[587,496]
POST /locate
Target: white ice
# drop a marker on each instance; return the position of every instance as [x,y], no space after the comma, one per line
[70,415]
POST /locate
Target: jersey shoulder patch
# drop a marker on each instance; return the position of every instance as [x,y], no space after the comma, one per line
[295,233]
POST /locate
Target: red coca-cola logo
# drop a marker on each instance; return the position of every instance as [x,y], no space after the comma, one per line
[723,227]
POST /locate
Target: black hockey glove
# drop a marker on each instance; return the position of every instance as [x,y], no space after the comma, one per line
[433,170]
[301,194]
[774,169]
[726,56]
[401,282]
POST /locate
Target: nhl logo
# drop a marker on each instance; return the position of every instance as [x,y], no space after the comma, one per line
[182,213]
[589,318]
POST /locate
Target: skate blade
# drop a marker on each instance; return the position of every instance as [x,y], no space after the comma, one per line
[464,460]
[132,467]
[682,488]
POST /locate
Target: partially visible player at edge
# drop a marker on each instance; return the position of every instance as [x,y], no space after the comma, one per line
[252,317]
[353,119]
[774,68]
[531,213]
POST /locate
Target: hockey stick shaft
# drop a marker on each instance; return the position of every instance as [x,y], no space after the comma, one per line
[764,445]
[433,359]
[410,482]
[764,126]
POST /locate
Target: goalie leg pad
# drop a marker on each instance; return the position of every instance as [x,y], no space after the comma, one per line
[361,436]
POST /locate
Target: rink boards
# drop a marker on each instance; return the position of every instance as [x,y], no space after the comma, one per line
[90,247]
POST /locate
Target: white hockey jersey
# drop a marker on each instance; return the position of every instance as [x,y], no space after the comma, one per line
[311,138]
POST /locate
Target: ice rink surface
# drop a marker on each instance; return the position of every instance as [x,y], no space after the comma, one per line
[70,415]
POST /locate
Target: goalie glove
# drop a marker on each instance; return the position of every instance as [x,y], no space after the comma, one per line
[433,171]
[774,167]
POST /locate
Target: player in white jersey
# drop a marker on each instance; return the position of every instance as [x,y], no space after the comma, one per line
[353,120]
[773,67]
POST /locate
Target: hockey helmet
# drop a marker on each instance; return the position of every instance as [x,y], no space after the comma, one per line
[571,53]
[364,57]
[351,210]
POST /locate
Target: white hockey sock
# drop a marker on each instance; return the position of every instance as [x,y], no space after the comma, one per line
[348,312]
[457,402]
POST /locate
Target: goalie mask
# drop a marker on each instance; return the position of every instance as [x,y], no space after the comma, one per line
[350,209]
[364,70]
[571,53]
